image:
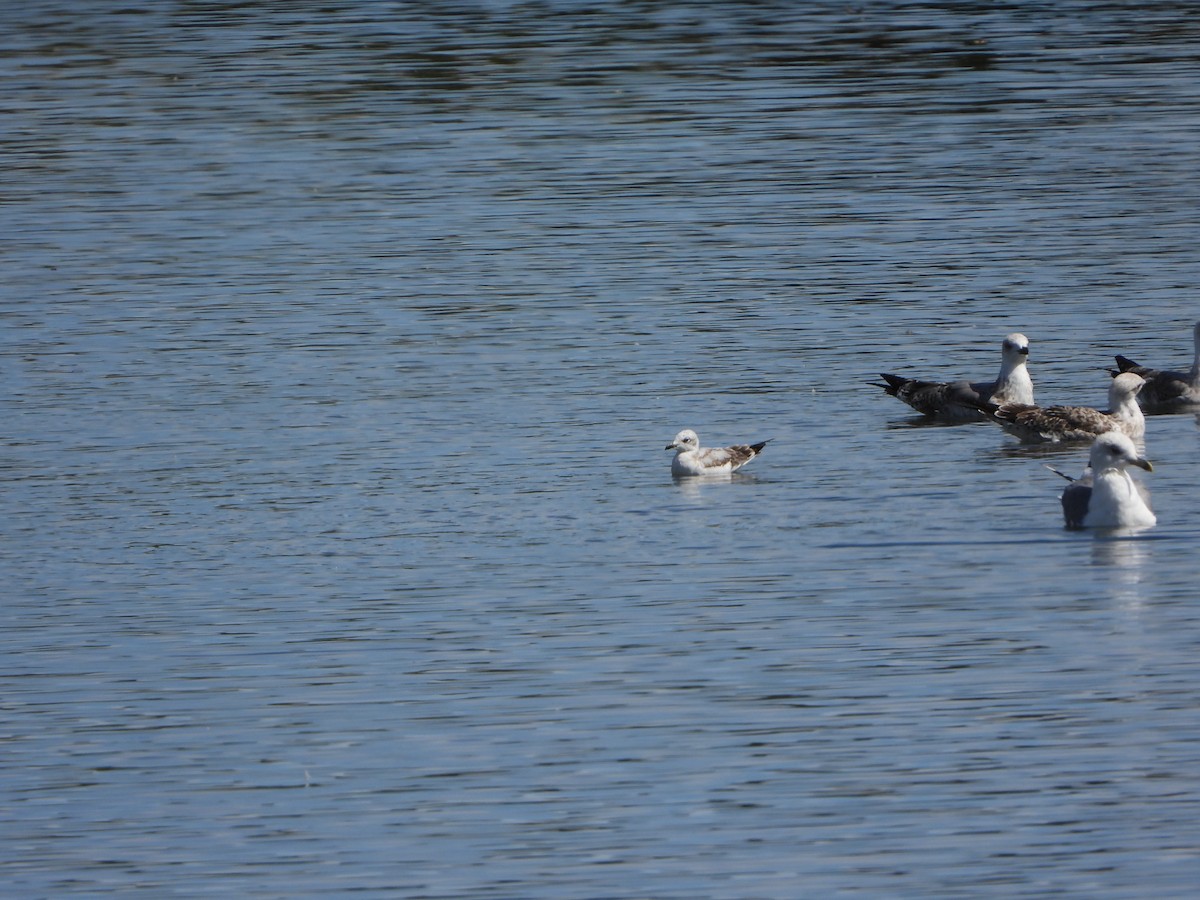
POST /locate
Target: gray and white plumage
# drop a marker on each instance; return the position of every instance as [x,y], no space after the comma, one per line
[692,459]
[958,401]
[1052,424]
[1167,391]
[1106,496]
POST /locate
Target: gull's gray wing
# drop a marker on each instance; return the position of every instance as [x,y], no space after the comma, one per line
[1075,499]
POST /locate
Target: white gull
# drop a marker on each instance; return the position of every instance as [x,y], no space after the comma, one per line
[1106,496]
[692,459]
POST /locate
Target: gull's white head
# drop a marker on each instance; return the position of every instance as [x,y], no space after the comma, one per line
[684,441]
[1015,347]
[1114,450]
[1124,388]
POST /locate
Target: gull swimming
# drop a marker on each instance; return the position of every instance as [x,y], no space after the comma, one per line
[1052,424]
[1165,391]
[958,401]
[1106,496]
[692,459]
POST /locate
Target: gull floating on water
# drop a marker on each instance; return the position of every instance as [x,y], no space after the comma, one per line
[692,459]
[958,401]
[1106,496]
[1052,424]
[1168,392]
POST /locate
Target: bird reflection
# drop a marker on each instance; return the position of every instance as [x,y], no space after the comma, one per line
[1129,560]
[694,488]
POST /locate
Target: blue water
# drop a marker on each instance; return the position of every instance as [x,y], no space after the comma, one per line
[339,550]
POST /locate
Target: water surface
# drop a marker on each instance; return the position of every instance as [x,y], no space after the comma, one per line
[339,548]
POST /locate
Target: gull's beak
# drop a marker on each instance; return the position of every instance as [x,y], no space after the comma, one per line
[669,447]
[1143,464]
[1024,351]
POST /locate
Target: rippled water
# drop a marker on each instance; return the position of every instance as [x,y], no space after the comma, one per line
[339,548]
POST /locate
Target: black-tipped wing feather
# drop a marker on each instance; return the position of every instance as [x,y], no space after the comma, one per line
[736,456]
[951,400]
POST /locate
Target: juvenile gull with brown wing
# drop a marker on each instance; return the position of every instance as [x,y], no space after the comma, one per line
[692,459]
[958,401]
[1052,424]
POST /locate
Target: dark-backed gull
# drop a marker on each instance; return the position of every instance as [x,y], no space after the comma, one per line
[692,459]
[1106,496]
[958,401]
[1051,424]
[1168,392]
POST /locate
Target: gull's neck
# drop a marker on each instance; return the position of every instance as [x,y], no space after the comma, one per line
[1014,382]
[1125,406]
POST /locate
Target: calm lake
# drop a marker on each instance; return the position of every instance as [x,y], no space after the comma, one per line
[340,553]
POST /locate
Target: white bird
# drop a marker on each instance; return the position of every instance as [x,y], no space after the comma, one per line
[692,459]
[958,401]
[1051,424]
[1106,496]
[1165,391]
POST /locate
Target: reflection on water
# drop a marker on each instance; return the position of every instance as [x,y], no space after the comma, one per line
[339,550]
[695,488]
[1126,559]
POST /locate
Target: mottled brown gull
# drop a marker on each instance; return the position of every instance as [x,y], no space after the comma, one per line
[692,459]
[1052,424]
[958,401]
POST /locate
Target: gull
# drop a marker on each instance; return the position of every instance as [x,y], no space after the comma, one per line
[1052,424]
[958,401]
[1168,392]
[1106,496]
[692,459]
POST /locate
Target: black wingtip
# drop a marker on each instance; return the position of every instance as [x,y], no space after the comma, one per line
[894,383]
